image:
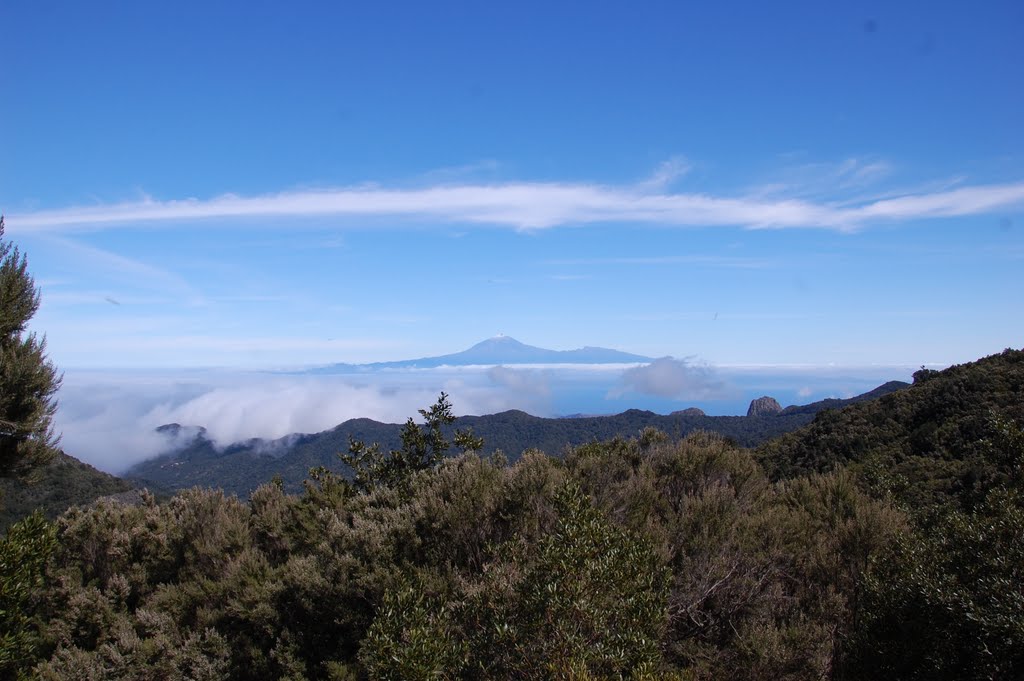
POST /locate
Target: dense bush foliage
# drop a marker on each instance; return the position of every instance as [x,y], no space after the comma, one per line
[633,558]
[927,442]
[24,553]
[946,600]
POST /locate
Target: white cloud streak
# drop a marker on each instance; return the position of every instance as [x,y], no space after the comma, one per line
[709,260]
[825,178]
[956,202]
[533,206]
[665,174]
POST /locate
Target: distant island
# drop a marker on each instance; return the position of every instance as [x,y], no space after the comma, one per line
[499,350]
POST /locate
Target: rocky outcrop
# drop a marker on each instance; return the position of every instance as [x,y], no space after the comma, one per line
[764,406]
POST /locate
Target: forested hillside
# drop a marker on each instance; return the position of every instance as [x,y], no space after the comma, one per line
[927,444]
[242,467]
[53,488]
[651,557]
[946,600]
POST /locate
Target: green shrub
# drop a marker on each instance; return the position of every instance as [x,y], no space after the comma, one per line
[24,553]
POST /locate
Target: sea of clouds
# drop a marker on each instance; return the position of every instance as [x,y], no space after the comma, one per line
[110,418]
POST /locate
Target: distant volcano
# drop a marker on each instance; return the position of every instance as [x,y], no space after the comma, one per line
[496,351]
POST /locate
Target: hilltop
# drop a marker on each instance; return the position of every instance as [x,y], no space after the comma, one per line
[930,441]
[62,483]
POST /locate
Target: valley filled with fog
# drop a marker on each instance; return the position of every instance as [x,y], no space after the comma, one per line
[109,418]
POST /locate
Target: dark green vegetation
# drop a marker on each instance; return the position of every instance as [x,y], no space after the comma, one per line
[241,468]
[897,555]
[28,381]
[924,445]
[948,599]
[55,487]
[33,474]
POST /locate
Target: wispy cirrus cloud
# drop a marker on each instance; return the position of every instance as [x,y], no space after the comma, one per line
[569,277]
[709,260]
[825,178]
[951,203]
[115,267]
[665,174]
[538,205]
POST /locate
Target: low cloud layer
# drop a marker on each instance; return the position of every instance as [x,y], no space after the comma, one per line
[672,379]
[110,419]
[531,386]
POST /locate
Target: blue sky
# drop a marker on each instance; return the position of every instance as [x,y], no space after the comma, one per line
[803,199]
[800,199]
[260,185]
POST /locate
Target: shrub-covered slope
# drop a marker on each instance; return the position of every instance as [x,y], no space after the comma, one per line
[932,440]
[642,558]
[53,488]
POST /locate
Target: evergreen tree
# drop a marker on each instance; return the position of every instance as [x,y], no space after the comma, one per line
[422,448]
[28,380]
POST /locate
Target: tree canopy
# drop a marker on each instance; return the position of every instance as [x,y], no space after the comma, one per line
[28,380]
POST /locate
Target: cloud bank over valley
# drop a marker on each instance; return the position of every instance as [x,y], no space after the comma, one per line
[109,418]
